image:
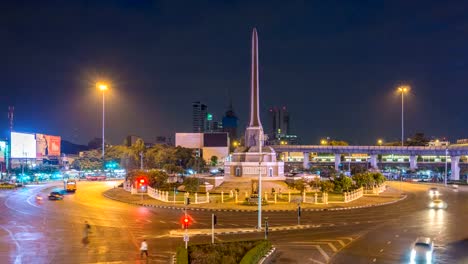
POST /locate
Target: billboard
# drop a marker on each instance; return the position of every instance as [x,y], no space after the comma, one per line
[47,145]
[215,140]
[189,140]
[23,145]
[2,151]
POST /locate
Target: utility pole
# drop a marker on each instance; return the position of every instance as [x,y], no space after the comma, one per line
[298,214]
[141,160]
[445,178]
[213,223]
[260,158]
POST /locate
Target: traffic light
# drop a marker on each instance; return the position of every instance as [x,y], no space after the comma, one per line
[215,219]
[185,222]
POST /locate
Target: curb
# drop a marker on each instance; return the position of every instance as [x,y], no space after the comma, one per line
[404,196]
[268,254]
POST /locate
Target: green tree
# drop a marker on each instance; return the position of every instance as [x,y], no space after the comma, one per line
[300,185]
[338,143]
[417,140]
[171,168]
[327,186]
[158,179]
[191,184]
[360,179]
[343,182]
[378,178]
[214,160]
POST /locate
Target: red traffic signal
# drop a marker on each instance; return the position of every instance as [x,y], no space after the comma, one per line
[141,181]
[186,221]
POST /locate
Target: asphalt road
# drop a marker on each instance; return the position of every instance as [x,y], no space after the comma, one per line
[51,231]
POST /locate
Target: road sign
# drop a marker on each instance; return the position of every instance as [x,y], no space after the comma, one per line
[186,238]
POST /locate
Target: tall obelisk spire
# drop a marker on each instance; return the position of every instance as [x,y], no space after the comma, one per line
[254,96]
[255,129]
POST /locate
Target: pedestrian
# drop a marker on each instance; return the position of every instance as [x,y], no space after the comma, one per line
[86,229]
[144,248]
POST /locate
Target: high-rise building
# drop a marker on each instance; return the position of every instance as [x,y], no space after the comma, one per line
[212,125]
[280,121]
[230,123]
[199,116]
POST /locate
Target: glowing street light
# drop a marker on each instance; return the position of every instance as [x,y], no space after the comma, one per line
[235,143]
[403,90]
[103,87]
[379,142]
[323,142]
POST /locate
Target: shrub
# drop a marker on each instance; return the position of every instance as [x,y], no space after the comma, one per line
[226,253]
[191,184]
[327,186]
[254,255]
[182,255]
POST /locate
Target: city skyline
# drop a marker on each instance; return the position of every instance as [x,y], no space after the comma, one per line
[334,85]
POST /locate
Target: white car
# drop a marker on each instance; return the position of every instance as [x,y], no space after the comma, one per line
[437,204]
[433,192]
[422,250]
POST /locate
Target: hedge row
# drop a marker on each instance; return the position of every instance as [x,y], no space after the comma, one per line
[7,186]
[182,255]
[254,255]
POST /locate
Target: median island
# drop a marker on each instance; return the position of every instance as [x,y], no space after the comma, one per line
[341,192]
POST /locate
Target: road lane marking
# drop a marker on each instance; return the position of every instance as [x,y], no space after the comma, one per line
[347,238]
[381,250]
[161,221]
[316,261]
[333,248]
[324,254]
[17,244]
[374,260]
[332,240]
[397,235]
[389,242]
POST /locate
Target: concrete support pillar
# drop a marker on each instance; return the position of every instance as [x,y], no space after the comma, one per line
[337,161]
[275,197]
[304,197]
[236,196]
[196,198]
[373,161]
[413,162]
[305,162]
[222,197]
[207,197]
[315,198]
[454,163]
[289,197]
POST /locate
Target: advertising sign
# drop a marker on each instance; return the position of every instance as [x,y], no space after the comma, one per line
[2,151]
[47,145]
[23,145]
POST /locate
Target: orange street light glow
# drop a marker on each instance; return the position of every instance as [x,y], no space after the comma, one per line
[102,86]
[403,89]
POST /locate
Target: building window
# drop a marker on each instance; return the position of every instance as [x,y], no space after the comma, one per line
[271,172]
[238,171]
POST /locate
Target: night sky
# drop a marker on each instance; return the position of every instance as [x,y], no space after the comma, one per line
[334,65]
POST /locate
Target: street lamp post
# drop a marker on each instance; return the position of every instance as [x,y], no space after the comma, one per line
[445,178]
[259,223]
[402,90]
[103,88]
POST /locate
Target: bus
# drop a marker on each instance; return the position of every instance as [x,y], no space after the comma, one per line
[70,185]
